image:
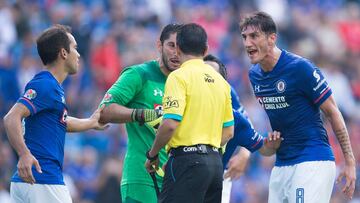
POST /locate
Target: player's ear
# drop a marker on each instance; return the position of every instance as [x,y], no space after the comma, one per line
[63,53]
[272,39]
[159,46]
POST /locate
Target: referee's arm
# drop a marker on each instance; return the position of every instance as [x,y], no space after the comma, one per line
[227,134]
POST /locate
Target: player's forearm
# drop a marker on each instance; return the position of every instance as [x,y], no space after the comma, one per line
[115,113]
[265,151]
[339,128]
[78,125]
[14,132]
[163,136]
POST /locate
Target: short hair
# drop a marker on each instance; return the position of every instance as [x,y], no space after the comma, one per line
[168,30]
[222,67]
[192,39]
[51,41]
[260,20]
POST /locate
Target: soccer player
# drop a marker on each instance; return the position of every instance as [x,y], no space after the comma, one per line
[292,90]
[244,135]
[137,96]
[43,107]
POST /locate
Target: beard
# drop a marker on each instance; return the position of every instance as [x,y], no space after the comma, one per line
[165,62]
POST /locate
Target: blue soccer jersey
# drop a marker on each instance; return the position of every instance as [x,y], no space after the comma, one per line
[244,133]
[45,128]
[291,95]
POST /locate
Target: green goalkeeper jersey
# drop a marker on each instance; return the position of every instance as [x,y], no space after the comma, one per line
[138,87]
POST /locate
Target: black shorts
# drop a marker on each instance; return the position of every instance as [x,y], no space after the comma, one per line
[192,176]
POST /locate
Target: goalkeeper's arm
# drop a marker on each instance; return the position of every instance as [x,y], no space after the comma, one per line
[115,113]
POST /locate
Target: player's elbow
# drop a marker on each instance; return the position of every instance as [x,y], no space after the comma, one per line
[227,134]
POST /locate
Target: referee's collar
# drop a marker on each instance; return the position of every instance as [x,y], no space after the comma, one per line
[192,62]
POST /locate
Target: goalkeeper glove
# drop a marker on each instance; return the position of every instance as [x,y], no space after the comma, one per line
[145,115]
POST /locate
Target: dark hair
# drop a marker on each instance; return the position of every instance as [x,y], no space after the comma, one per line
[168,30]
[51,41]
[222,67]
[260,20]
[192,39]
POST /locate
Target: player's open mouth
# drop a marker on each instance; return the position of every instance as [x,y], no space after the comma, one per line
[251,52]
[175,61]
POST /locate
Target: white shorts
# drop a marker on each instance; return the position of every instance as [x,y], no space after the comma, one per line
[39,193]
[226,191]
[307,182]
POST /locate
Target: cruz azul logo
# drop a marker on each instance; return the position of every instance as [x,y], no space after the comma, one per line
[280,86]
[170,103]
[208,78]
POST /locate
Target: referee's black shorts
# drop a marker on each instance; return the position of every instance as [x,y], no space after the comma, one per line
[193,175]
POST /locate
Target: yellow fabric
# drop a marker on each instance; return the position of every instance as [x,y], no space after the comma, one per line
[198,97]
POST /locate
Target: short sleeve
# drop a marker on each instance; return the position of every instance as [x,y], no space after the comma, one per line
[313,83]
[37,97]
[174,100]
[124,89]
[228,119]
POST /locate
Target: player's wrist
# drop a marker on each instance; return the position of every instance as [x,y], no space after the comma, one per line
[151,156]
[350,160]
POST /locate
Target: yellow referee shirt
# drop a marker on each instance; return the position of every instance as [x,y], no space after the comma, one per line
[198,97]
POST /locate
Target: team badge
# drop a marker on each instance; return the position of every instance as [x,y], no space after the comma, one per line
[280,86]
[107,97]
[30,94]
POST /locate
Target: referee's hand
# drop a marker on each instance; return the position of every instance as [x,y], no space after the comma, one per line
[151,163]
[24,166]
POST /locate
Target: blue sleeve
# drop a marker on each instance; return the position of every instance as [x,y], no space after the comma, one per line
[244,135]
[312,83]
[235,99]
[37,97]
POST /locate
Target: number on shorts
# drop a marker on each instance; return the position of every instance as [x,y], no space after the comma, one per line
[300,195]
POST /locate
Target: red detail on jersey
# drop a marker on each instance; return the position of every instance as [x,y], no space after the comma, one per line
[322,95]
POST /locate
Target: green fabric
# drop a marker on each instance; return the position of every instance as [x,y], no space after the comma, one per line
[137,193]
[139,86]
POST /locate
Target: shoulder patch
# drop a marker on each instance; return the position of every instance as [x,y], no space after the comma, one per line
[30,94]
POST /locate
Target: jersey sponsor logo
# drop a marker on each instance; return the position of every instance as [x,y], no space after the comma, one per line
[208,78]
[159,107]
[107,97]
[158,92]
[273,102]
[170,103]
[63,100]
[280,86]
[30,94]
[256,88]
[316,75]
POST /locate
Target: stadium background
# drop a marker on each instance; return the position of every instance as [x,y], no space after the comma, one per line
[115,33]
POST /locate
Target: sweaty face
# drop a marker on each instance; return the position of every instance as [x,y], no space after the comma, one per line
[257,44]
[72,60]
[168,53]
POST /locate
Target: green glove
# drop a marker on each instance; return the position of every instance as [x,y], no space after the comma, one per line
[145,115]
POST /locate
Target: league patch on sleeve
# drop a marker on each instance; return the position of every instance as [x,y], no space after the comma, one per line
[107,97]
[170,103]
[30,94]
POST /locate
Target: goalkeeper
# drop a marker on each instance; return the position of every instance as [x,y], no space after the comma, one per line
[136,98]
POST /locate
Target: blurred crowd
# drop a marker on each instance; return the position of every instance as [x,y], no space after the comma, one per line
[112,34]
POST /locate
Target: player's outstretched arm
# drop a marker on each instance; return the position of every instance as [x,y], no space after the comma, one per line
[13,127]
[78,125]
[237,164]
[271,143]
[115,113]
[337,122]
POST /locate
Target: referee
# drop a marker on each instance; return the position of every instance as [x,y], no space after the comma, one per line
[197,121]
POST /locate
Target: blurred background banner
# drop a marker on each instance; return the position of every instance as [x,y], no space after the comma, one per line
[112,34]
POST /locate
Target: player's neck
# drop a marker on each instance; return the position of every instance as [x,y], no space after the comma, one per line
[270,60]
[57,71]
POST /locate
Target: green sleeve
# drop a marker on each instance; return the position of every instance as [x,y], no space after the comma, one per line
[124,89]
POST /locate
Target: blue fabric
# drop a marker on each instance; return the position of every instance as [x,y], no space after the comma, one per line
[291,95]
[45,128]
